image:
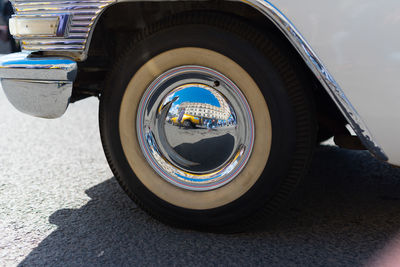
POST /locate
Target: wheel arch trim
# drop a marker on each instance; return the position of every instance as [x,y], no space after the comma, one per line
[321,73]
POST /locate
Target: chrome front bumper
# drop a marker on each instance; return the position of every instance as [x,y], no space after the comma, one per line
[40,86]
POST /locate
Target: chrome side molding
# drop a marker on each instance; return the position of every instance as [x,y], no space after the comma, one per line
[321,72]
[77,19]
[40,87]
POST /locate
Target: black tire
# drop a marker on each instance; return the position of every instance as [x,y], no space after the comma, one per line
[188,124]
[267,60]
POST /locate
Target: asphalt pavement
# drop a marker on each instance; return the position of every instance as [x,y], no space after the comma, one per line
[61,206]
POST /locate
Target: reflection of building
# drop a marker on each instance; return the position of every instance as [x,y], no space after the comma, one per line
[204,110]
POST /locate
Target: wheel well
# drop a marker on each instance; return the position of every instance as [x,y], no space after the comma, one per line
[120,23]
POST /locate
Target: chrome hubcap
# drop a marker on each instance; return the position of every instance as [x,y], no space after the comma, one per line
[195,128]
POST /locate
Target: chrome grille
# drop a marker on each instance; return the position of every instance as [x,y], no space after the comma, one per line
[83,15]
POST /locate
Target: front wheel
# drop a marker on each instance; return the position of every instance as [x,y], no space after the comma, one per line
[227,74]
[188,124]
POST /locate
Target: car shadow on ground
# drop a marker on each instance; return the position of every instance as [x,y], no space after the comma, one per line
[349,210]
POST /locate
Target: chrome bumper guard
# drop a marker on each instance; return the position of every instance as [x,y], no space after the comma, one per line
[40,86]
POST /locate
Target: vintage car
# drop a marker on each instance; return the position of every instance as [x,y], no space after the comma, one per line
[287,75]
[188,121]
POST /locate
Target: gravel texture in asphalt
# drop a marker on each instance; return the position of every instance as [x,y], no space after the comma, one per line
[61,206]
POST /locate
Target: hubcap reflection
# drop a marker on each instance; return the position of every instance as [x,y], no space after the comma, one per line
[195,128]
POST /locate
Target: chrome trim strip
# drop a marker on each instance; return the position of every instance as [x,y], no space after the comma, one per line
[77,19]
[321,72]
[63,25]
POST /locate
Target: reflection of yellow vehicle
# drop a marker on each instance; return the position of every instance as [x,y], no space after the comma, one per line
[187,121]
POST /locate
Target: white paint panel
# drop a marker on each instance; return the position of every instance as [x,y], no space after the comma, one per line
[359,43]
